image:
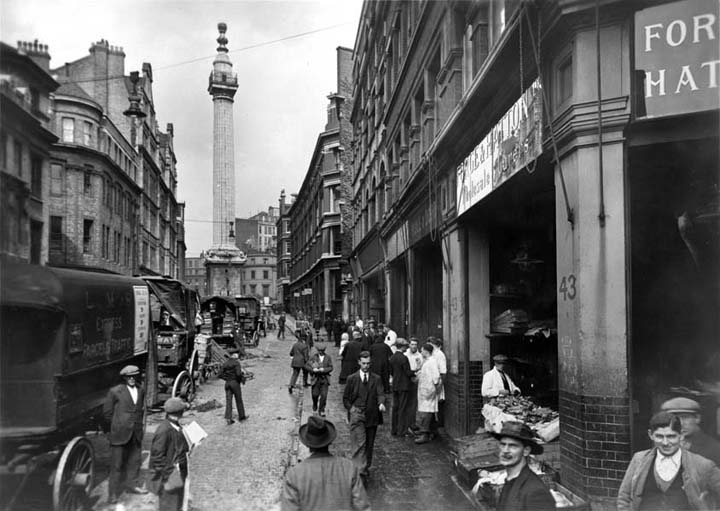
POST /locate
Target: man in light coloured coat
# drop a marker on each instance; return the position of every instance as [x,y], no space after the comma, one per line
[496,382]
[428,390]
[322,482]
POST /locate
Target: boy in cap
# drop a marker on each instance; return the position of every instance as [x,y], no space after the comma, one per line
[668,477]
[496,382]
[523,489]
[169,449]
[123,410]
[695,439]
[322,481]
[319,366]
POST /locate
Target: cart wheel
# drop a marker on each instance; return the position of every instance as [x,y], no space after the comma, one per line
[184,387]
[256,338]
[74,476]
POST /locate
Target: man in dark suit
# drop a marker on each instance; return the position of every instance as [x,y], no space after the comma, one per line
[169,448]
[123,410]
[523,489]
[234,377]
[319,366]
[350,356]
[299,354]
[364,399]
[401,385]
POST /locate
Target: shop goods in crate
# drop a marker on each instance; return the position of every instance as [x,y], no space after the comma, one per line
[512,321]
[544,421]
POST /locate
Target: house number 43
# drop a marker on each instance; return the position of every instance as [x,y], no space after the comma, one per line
[567,287]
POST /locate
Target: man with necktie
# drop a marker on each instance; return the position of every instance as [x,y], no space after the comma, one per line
[364,399]
[668,477]
[496,382]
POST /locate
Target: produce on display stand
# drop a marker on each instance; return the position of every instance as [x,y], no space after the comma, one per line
[544,421]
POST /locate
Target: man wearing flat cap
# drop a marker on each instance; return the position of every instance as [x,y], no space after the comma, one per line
[322,481]
[319,366]
[523,489]
[168,453]
[496,382]
[695,439]
[123,410]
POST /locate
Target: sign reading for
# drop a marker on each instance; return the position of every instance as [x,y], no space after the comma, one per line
[677,51]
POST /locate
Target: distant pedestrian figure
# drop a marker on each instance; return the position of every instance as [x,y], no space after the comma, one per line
[281,327]
[319,366]
[380,354]
[428,388]
[169,453]
[415,358]
[322,482]
[401,385]
[364,399]
[234,377]
[338,329]
[351,355]
[299,354]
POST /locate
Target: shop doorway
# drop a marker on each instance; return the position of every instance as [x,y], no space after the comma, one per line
[675,279]
[427,296]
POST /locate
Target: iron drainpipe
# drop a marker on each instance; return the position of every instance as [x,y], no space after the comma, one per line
[466,362]
[601,213]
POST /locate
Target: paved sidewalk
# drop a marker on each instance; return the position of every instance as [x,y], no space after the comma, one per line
[404,475]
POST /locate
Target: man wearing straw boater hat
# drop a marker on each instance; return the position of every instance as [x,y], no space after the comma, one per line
[322,481]
[523,489]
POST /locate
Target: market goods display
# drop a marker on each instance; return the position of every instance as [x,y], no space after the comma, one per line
[544,421]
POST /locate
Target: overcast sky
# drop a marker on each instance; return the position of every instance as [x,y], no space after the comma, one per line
[280,106]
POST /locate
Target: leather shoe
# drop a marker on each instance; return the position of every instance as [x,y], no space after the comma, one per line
[322,414]
[230,421]
[244,418]
[137,490]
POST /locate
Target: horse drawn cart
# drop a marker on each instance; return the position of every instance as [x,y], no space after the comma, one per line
[248,314]
[64,336]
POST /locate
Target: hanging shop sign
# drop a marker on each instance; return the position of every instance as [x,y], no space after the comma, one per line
[512,144]
[677,58]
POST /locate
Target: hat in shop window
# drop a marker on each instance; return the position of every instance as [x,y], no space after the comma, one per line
[680,405]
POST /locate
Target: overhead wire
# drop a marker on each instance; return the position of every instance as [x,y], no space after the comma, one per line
[236,50]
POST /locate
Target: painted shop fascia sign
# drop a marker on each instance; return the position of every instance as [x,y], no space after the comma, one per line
[511,145]
[677,58]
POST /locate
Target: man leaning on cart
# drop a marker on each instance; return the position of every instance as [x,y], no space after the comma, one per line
[123,410]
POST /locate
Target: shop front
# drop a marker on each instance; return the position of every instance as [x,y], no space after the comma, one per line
[674,216]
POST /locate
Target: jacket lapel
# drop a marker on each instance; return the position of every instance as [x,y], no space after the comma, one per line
[641,474]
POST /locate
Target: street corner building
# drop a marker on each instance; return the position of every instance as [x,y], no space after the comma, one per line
[539,180]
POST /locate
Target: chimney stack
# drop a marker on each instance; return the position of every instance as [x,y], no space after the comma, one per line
[36,51]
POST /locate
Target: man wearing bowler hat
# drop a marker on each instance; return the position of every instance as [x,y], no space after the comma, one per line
[695,439]
[496,382]
[123,410]
[322,482]
[523,489]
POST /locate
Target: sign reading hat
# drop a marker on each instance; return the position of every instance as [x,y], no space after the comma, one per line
[129,371]
[317,432]
[519,431]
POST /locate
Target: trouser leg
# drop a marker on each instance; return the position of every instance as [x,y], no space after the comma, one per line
[315,396]
[323,396]
[294,377]
[170,501]
[412,405]
[228,402]
[394,414]
[402,411]
[369,444]
[305,377]
[424,419]
[116,479]
[132,464]
[358,440]
[237,391]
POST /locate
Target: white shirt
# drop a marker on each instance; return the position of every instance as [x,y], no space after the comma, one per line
[415,360]
[667,467]
[441,360]
[363,377]
[133,393]
[492,383]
